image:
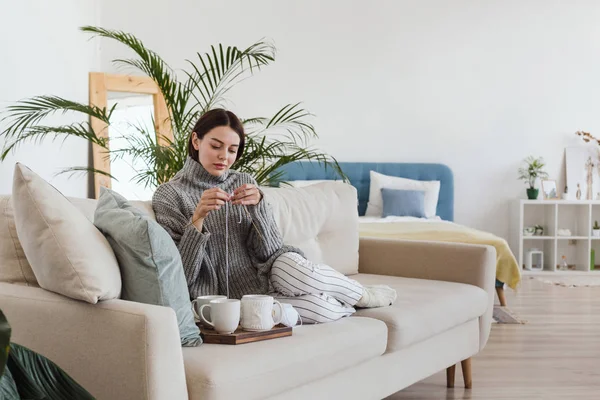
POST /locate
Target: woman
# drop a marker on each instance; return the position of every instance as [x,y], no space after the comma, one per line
[206,202]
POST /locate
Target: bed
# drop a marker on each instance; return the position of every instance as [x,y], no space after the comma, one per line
[440,227]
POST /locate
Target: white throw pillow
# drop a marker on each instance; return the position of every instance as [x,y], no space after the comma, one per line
[321,220]
[301,183]
[67,253]
[380,181]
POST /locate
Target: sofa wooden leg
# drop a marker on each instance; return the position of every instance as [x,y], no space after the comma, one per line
[501,298]
[466,370]
[450,376]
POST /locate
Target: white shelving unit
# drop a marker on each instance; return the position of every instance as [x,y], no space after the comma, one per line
[552,215]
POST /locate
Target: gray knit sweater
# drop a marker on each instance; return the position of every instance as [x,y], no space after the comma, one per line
[251,255]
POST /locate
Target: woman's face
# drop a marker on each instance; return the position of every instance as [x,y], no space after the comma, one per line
[217,150]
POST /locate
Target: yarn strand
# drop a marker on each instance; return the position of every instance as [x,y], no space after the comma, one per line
[227,247]
[242,206]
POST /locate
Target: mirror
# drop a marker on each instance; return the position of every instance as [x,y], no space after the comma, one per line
[131,118]
[139,105]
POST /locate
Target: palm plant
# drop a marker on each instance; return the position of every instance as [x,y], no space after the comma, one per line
[270,142]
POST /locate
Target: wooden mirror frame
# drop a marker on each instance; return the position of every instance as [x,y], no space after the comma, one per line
[99,86]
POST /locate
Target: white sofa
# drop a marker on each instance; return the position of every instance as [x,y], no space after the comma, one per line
[118,349]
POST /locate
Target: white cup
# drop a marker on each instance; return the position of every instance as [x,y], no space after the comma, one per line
[199,302]
[258,312]
[225,314]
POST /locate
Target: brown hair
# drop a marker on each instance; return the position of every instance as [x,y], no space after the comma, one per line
[211,119]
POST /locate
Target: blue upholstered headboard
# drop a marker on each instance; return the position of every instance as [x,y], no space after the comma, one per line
[358,173]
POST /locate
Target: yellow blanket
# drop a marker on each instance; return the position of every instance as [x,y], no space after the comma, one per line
[507,269]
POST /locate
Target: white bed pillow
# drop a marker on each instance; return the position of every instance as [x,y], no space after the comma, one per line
[380,181]
[395,219]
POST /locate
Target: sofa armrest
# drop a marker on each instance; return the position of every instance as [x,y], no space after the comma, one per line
[115,349]
[452,262]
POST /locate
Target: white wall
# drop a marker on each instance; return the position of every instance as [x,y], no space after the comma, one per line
[43,53]
[478,85]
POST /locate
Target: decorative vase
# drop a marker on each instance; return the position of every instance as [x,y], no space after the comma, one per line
[532,193]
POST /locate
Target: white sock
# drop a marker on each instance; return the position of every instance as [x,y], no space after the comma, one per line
[377,296]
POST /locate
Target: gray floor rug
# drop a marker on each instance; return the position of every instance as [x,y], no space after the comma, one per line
[571,281]
[503,315]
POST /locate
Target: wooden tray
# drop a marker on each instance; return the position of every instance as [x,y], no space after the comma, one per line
[241,336]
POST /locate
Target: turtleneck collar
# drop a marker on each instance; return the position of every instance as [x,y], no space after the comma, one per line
[194,171]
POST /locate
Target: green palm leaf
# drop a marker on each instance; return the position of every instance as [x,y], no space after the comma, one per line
[288,121]
[152,65]
[160,163]
[38,133]
[5,332]
[216,72]
[248,122]
[84,170]
[26,113]
[22,119]
[8,387]
[271,176]
[36,377]
[280,140]
[262,159]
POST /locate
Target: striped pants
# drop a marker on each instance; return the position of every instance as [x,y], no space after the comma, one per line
[318,292]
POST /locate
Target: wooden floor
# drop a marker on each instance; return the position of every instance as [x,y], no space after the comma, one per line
[556,355]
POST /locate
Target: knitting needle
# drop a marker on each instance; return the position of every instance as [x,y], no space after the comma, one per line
[247,212]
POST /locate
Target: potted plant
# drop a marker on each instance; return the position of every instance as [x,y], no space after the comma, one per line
[596,229]
[271,142]
[533,170]
[539,230]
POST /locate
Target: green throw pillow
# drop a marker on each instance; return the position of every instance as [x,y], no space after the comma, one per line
[150,263]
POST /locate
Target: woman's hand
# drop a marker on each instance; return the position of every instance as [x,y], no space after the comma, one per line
[247,195]
[212,199]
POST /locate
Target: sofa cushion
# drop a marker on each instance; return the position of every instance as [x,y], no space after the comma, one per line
[14,267]
[67,253]
[424,308]
[319,219]
[150,264]
[262,369]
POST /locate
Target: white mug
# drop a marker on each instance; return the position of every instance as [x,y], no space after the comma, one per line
[225,314]
[199,301]
[258,312]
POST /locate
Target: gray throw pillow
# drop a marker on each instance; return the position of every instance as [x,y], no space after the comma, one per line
[150,263]
[403,203]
